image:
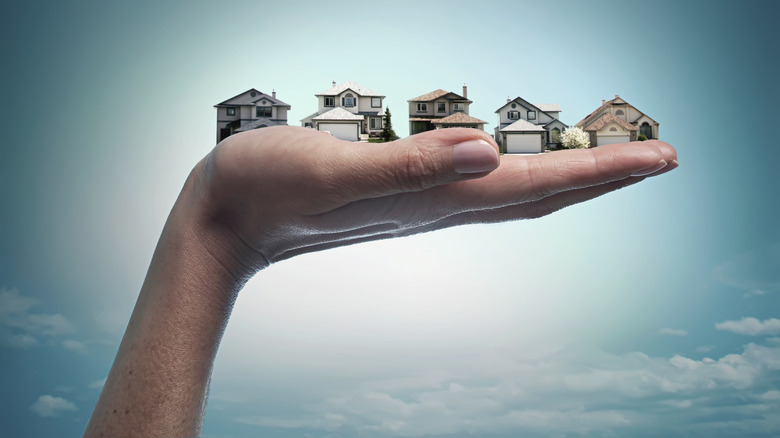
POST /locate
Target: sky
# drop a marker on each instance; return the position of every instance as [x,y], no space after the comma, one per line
[652,311]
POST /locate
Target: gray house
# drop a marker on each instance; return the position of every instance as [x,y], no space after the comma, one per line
[249,110]
[525,128]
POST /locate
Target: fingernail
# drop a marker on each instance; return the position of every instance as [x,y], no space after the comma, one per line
[650,170]
[474,156]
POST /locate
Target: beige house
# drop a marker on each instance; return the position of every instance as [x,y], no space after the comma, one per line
[617,121]
[249,110]
[441,109]
[526,128]
[348,111]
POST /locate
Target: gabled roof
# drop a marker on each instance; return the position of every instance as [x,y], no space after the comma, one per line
[608,118]
[458,119]
[246,98]
[337,113]
[549,107]
[349,85]
[522,126]
[523,102]
[616,101]
[433,95]
[259,122]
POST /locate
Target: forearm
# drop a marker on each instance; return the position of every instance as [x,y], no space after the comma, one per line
[158,384]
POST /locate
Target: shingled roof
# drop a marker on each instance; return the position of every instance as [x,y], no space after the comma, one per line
[246,98]
[608,118]
[433,95]
[458,119]
[338,113]
[522,126]
[349,85]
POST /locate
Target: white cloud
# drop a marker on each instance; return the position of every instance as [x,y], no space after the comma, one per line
[20,327]
[97,384]
[751,326]
[673,332]
[74,345]
[755,272]
[50,406]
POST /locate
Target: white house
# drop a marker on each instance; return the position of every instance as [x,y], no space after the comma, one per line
[617,121]
[349,111]
[249,110]
[441,109]
[525,128]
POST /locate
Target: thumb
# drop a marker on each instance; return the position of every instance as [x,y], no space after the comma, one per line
[415,163]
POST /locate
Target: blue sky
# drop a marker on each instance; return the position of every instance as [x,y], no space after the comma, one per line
[651,311]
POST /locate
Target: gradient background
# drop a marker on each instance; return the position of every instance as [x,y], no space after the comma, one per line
[652,311]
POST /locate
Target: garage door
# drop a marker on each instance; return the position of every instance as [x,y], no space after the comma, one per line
[343,131]
[523,143]
[611,139]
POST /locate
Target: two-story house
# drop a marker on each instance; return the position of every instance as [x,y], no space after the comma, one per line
[441,109]
[617,121]
[348,111]
[249,110]
[525,128]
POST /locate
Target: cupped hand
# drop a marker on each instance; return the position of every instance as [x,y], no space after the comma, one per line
[277,192]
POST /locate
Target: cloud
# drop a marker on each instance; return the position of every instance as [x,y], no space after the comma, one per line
[74,345]
[50,406]
[97,384]
[21,327]
[565,393]
[751,326]
[673,332]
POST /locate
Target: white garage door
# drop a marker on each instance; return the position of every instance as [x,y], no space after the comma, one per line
[523,143]
[611,139]
[343,131]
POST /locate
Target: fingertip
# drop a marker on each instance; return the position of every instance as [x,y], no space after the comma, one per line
[474,156]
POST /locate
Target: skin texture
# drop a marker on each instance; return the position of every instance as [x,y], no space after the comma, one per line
[267,195]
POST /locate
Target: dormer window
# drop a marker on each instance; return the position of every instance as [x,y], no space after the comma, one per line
[263,111]
[376,102]
[422,107]
[330,101]
[230,111]
[513,115]
[348,100]
[531,115]
[457,107]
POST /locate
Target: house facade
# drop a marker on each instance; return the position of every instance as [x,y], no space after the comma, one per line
[249,110]
[348,111]
[526,128]
[617,121]
[441,109]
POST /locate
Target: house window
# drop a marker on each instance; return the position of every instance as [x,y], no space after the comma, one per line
[619,113]
[514,106]
[555,135]
[514,115]
[457,107]
[330,101]
[613,129]
[375,123]
[263,111]
[422,107]
[376,102]
[307,125]
[230,111]
[441,107]
[348,100]
[531,115]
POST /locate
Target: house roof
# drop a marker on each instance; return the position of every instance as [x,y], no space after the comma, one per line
[458,119]
[522,126]
[520,101]
[608,118]
[349,85]
[433,95]
[590,118]
[548,107]
[246,98]
[259,122]
[338,113]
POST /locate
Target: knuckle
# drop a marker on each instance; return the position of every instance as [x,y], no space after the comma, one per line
[419,169]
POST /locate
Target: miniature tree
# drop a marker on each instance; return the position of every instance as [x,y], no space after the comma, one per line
[387,133]
[575,138]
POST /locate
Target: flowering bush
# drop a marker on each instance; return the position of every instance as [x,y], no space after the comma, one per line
[575,138]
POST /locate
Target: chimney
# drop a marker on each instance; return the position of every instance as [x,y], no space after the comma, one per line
[603,101]
[508,99]
[273,93]
[465,92]
[334,83]
[617,97]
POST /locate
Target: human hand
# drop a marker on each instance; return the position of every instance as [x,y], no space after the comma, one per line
[277,192]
